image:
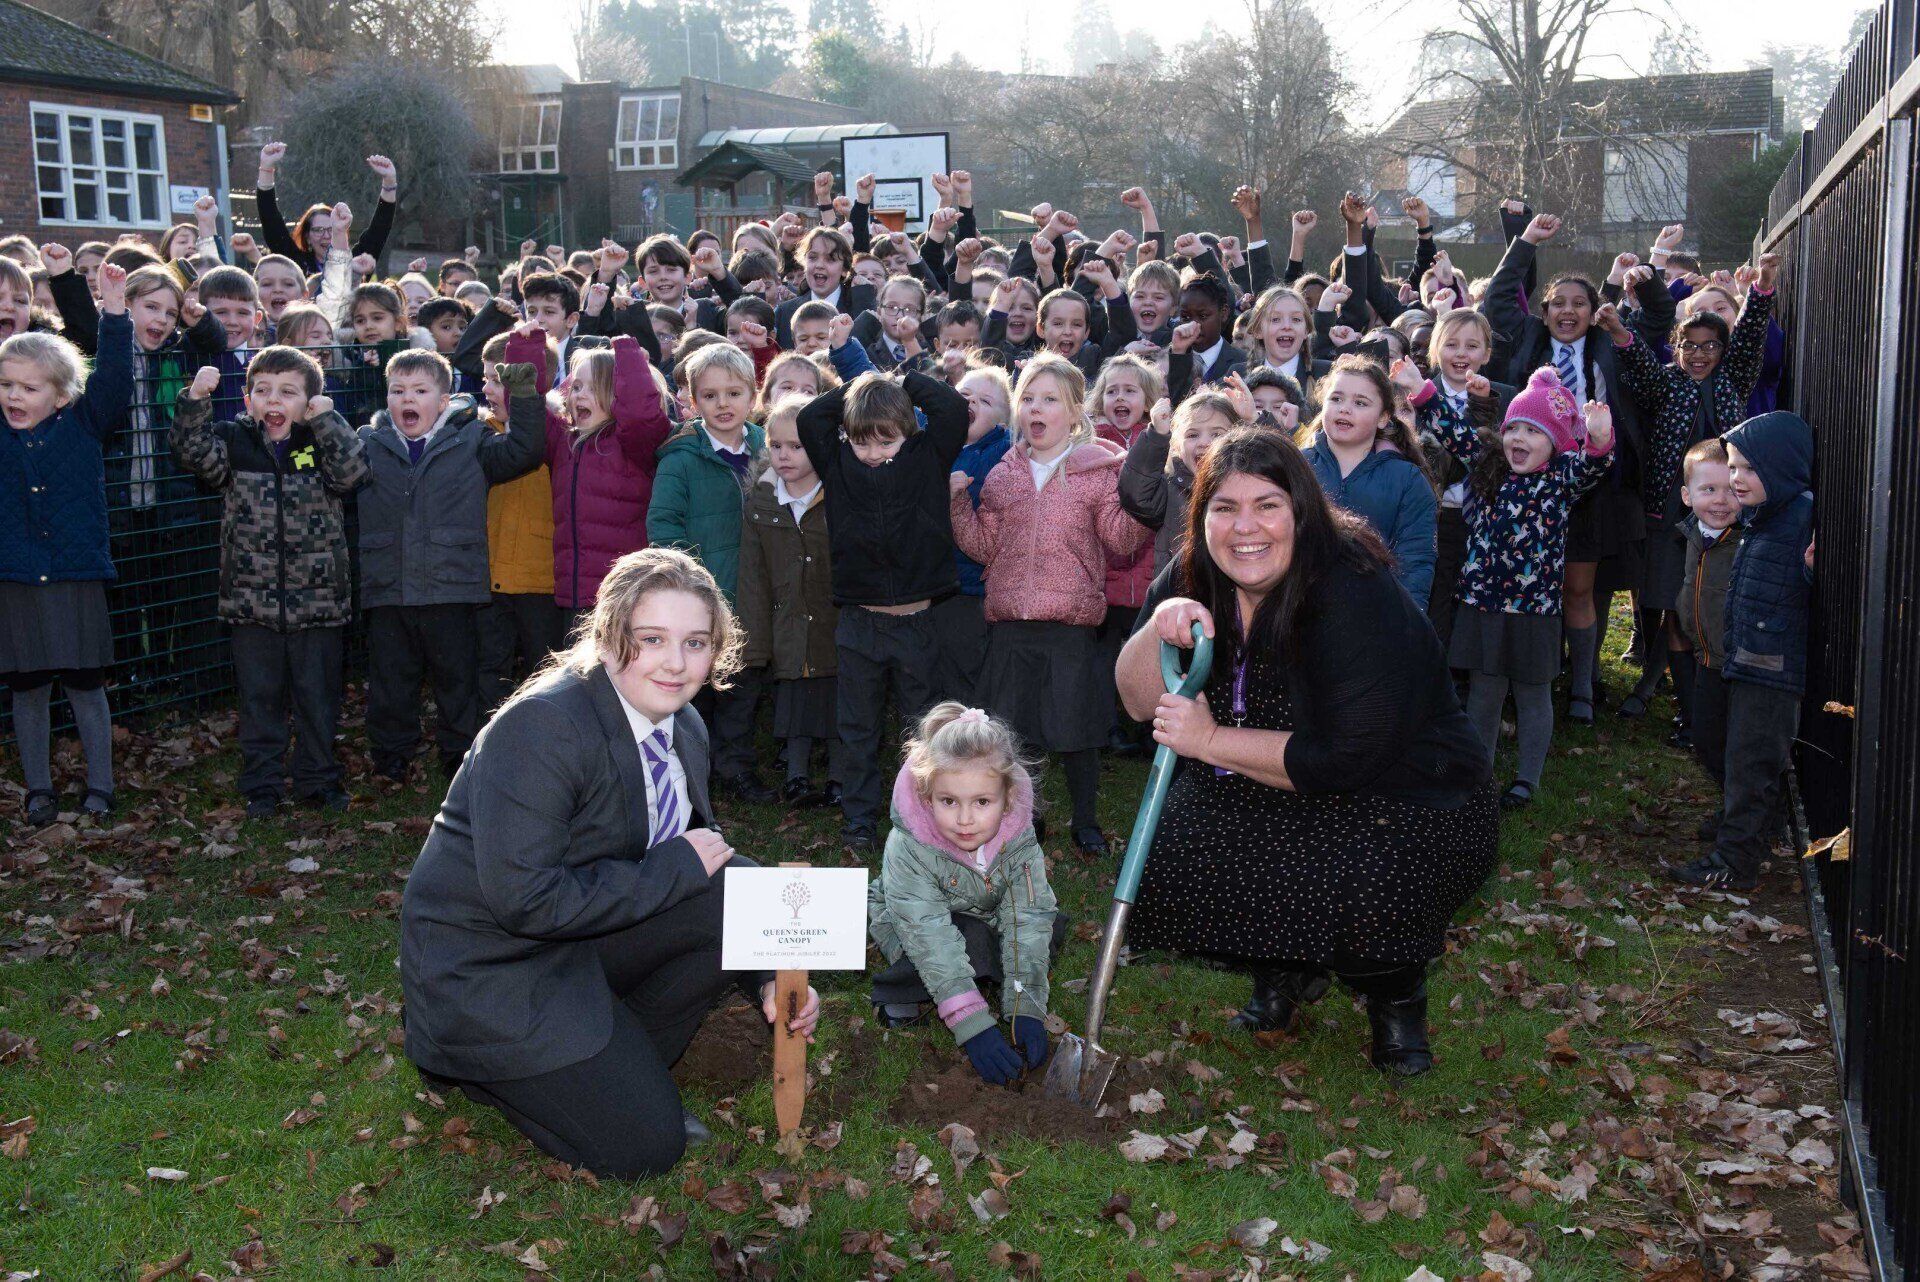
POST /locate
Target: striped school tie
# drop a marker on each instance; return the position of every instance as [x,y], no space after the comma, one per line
[668,822]
[1564,366]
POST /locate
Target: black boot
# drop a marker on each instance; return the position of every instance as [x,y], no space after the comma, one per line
[1277,998]
[1400,1033]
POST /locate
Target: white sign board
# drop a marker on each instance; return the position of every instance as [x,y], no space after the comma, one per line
[795,919]
[183,197]
[896,161]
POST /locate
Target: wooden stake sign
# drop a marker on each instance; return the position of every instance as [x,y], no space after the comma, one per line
[789,1048]
[793,920]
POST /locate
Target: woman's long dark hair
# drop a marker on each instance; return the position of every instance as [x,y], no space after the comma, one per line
[1323,537]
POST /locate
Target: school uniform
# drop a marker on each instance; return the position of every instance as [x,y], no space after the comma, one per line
[424,565]
[891,543]
[788,615]
[559,936]
[849,300]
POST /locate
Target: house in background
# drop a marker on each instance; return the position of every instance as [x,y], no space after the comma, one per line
[575,161]
[97,140]
[1637,155]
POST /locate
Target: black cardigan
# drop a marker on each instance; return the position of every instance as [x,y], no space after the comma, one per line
[1373,702]
[280,240]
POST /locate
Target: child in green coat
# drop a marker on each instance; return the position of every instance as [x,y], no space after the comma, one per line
[699,502]
[962,894]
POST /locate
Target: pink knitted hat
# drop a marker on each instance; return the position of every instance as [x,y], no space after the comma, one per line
[1547,405]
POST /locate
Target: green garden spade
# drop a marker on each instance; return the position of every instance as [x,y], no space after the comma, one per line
[1081,1067]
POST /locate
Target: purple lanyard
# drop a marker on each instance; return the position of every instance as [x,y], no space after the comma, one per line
[1239,697]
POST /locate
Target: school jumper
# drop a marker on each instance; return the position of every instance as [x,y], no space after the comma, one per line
[891,540]
[285,584]
[424,570]
[521,625]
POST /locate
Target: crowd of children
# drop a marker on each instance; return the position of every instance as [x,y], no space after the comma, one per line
[929,472]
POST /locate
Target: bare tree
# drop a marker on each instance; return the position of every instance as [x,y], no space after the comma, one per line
[1511,100]
[602,53]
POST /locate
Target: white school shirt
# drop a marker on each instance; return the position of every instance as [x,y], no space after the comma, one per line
[1203,361]
[1579,349]
[797,503]
[1043,472]
[676,773]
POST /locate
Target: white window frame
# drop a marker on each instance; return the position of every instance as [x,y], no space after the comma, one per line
[627,143]
[97,173]
[1635,183]
[525,153]
[1435,180]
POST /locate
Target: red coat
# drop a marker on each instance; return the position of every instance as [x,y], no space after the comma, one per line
[1046,551]
[1128,577]
[602,485]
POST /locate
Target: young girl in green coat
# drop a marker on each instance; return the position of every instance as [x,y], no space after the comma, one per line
[962,894]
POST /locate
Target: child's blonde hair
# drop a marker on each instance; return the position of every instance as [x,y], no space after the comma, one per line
[634,577]
[824,380]
[1202,402]
[1002,385]
[57,358]
[1256,320]
[298,322]
[1151,383]
[721,358]
[1452,321]
[952,736]
[594,367]
[1073,386]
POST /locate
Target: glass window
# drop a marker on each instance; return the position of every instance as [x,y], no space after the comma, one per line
[646,132]
[99,168]
[1646,181]
[530,139]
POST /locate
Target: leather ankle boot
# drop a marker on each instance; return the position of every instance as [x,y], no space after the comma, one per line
[1277,998]
[1400,1033]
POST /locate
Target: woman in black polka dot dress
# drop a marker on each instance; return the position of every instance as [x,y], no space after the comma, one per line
[1334,807]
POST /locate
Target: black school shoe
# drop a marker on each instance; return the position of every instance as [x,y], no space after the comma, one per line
[1400,1034]
[859,840]
[1518,796]
[748,787]
[263,805]
[1091,841]
[393,770]
[1710,872]
[42,808]
[802,795]
[331,799]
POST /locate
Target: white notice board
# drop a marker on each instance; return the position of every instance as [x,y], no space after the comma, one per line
[900,165]
[794,919]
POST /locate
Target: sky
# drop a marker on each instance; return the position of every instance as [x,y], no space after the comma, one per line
[1380,37]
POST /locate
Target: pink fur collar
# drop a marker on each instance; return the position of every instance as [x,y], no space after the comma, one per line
[918,819]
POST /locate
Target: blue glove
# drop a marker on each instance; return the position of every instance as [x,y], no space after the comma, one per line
[1030,1035]
[992,1058]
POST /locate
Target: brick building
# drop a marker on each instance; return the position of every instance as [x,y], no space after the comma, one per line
[95,139]
[1638,154]
[577,160]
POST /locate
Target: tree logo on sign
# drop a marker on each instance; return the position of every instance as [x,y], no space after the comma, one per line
[796,896]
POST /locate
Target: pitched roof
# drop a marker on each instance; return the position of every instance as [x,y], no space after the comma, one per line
[1693,102]
[732,161]
[39,48]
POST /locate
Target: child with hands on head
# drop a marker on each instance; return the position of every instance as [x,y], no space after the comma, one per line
[1524,483]
[962,896]
[1048,521]
[55,558]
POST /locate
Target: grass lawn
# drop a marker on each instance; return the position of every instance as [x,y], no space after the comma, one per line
[200,1055]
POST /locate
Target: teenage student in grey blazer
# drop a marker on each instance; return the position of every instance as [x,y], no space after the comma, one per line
[560,935]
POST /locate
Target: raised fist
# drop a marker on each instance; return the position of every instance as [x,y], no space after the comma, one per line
[863,189]
[318,406]
[1541,229]
[57,259]
[271,155]
[383,167]
[205,381]
[823,187]
[1247,201]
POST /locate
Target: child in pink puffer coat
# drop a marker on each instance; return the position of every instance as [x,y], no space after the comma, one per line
[1048,521]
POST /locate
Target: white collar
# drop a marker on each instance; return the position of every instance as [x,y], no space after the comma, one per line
[1577,346]
[787,497]
[643,726]
[1206,359]
[833,298]
[719,448]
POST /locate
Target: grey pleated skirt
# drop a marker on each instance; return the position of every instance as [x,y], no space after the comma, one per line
[1043,679]
[1520,647]
[54,627]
